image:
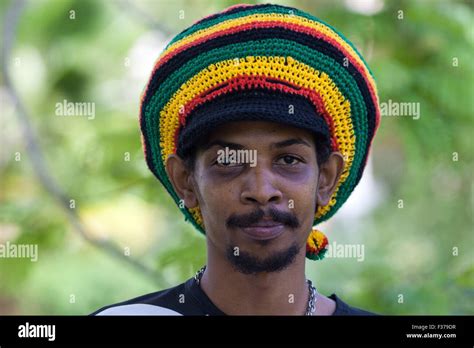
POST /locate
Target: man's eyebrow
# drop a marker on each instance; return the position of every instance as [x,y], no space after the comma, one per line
[222,144]
[290,142]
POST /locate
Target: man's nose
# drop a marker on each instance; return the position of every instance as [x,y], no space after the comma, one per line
[260,187]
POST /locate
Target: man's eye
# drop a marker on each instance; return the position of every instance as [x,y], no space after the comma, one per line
[288,160]
[226,164]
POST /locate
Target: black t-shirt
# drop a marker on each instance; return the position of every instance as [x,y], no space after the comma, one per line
[189,299]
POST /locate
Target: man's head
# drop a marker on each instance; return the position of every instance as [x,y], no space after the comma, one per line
[255,76]
[258,216]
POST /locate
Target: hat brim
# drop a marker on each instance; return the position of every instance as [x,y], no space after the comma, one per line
[253,105]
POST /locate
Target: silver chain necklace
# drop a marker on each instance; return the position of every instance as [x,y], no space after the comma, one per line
[310,308]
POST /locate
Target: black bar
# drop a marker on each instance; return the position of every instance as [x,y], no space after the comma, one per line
[138,331]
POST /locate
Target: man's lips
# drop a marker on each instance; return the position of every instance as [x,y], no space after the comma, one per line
[264,230]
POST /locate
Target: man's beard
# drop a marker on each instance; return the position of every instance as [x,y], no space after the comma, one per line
[247,263]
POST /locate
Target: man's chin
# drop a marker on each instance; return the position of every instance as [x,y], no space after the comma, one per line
[248,262]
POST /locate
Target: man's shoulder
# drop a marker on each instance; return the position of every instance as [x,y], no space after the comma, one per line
[342,308]
[164,302]
[180,300]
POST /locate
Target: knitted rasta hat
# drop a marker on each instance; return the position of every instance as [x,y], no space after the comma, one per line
[253,63]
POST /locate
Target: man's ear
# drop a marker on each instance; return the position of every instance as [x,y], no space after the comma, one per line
[182,180]
[329,174]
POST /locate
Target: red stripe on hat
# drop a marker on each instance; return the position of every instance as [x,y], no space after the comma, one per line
[243,82]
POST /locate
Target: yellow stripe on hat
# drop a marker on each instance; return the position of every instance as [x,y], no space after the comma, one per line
[287,18]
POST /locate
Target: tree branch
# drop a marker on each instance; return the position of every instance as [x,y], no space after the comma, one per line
[33,147]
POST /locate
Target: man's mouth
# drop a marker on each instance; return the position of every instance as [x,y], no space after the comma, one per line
[264,230]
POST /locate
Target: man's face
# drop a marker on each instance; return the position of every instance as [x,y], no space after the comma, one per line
[257,214]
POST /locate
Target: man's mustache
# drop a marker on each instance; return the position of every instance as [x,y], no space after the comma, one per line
[247,220]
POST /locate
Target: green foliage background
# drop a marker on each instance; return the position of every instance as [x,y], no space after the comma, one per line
[93,57]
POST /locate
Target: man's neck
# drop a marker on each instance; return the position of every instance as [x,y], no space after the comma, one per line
[274,293]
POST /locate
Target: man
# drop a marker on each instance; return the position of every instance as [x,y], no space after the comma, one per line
[258,121]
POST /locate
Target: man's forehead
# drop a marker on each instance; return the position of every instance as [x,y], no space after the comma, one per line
[270,144]
[274,134]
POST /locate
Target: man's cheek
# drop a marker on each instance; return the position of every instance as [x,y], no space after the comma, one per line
[215,203]
[303,197]
[308,206]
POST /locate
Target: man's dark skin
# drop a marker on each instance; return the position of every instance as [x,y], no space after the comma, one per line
[287,169]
